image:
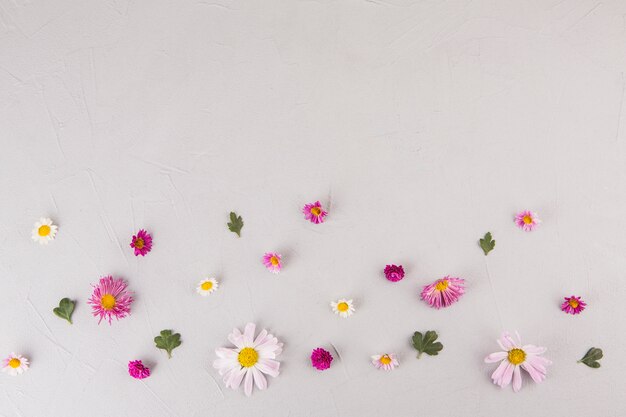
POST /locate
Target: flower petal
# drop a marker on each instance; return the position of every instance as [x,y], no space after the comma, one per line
[517,379]
[259,379]
[496,357]
[268,366]
[247,384]
[248,334]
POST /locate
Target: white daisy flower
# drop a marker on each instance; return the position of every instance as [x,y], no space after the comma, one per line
[44,231]
[14,364]
[386,362]
[343,307]
[249,360]
[207,286]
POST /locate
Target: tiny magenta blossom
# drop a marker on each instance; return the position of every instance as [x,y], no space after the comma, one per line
[515,356]
[272,262]
[14,364]
[321,359]
[527,220]
[573,305]
[394,273]
[443,292]
[386,362]
[314,212]
[110,298]
[142,243]
[138,370]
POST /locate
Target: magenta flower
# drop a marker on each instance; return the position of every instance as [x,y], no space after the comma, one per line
[142,243]
[110,299]
[527,220]
[573,305]
[272,262]
[138,370]
[321,359]
[394,273]
[443,292]
[314,212]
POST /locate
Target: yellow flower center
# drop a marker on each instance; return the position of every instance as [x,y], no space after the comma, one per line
[44,230]
[385,360]
[316,211]
[248,357]
[343,307]
[15,363]
[517,356]
[274,260]
[442,285]
[139,243]
[573,302]
[527,219]
[107,302]
[206,286]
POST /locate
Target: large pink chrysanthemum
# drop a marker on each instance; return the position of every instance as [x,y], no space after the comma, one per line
[249,360]
[110,298]
[573,305]
[515,356]
[443,292]
[527,220]
[142,243]
[314,212]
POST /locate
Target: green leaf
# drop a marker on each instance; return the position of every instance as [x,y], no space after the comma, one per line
[235,224]
[426,343]
[487,244]
[65,309]
[591,357]
[168,341]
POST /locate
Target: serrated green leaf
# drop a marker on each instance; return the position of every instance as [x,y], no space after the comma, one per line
[235,224]
[592,357]
[425,343]
[168,341]
[65,309]
[487,244]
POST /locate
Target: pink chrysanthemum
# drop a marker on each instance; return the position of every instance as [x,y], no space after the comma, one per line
[443,292]
[527,220]
[314,212]
[321,359]
[272,262]
[110,299]
[573,305]
[394,273]
[138,370]
[386,362]
[515,356]
[142,243]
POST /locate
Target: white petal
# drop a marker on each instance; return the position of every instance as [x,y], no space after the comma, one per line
[247,384]
[259,379]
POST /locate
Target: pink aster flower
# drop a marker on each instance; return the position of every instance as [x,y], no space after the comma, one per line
[394,273]
[138,370]
[314,212]
[142,243]
[386,362]
[321,359]
[527,220]
[515,356]
[444,292]
[573,305]
[110,299]
[272,262]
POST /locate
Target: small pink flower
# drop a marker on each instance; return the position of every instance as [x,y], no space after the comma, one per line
[314,212]
[142,243]
[527,220]
[138,370]
[110,298]
[573,305]
[321,359]
[443,292]
[394,273]
[386,362]
[272,262]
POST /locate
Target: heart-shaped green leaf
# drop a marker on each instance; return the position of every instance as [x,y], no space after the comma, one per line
[592,357]
[65,309]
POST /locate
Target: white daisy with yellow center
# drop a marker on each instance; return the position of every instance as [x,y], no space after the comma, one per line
[343,307]
[44,231]
[15,364]
[207,286]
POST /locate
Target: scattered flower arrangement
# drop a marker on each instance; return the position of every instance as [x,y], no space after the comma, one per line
[444,292]
[142,243]
[207,286]
[321,359]
[527,220]
[343,307]
[314,212]
[394,273]
[138,370]
[44,231]
[573,305]
[15,364]
[110,299]
[386,362]
[272,262]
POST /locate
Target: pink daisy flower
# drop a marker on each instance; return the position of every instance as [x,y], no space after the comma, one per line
[314,212]
[138,370]
[142,243]
[321,359]
[444,292]
[527,220]
[394,273]
[386,362]
[573,305]
[515,356]
[110,299]
[272,262]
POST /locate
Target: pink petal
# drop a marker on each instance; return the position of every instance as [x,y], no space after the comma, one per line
[268,366]
[259,379]
[247,384]
[248,334]
[517,379]
[507,376]
[497,374]
[496,357]
[236,338]
[260,338]
[238,376]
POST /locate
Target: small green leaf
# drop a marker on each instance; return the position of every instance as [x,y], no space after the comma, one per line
[426,343]
[65,309]
[235,224]
[591,357]
[168,341]
[487,244]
